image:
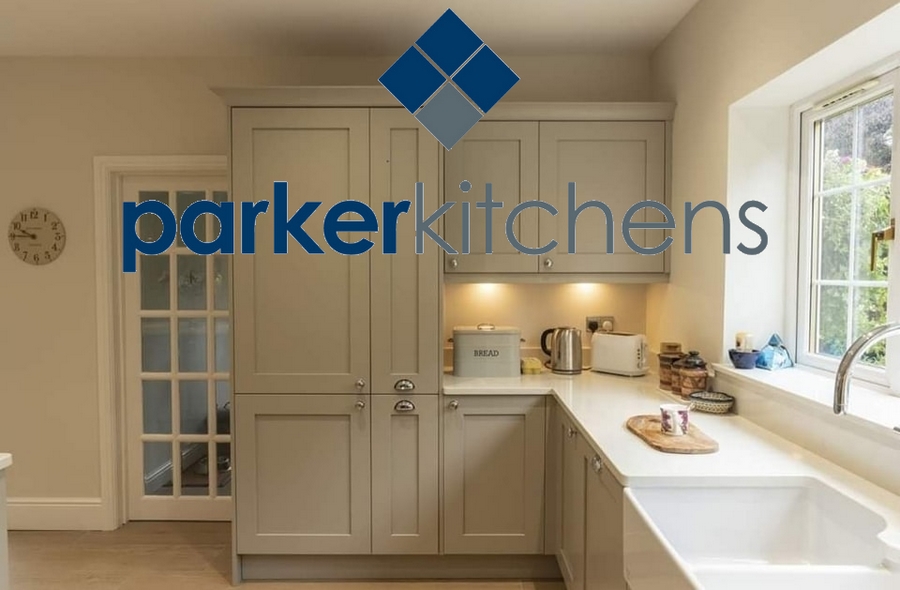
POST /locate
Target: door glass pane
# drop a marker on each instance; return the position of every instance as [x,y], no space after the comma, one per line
[194,408]
[183,199]
[157,469]
[192,345]
[156,350]
[223,462]
[191,282]
[157,407]
[833,306]
[834,236]
[194,469]
[220,271]
[223,348]
[218,197]
[150,226]
[155,282]
[223,407]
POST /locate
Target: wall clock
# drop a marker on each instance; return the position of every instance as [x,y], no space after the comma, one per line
[37,236]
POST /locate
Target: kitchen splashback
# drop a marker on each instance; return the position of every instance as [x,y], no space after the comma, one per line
[536,307]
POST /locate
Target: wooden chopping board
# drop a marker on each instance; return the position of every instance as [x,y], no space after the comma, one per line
[695,442]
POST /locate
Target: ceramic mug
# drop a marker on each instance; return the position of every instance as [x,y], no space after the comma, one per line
[675,419]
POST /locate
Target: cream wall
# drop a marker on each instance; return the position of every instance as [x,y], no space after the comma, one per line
[719,53]
[55,116]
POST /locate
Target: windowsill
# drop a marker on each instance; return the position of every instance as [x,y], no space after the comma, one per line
[876,412]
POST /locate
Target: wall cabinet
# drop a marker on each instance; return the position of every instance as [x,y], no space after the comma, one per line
[617,162]
[302,477]
[329,323]
[493,475]
[405,474]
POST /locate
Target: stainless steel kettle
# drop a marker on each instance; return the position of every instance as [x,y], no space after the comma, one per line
[564,350]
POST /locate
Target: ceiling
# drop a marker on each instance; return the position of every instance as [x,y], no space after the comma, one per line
[207,28]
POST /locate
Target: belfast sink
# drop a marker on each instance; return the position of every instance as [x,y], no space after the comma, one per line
[773,534]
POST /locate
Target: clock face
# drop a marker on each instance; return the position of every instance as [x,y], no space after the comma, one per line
[37,236]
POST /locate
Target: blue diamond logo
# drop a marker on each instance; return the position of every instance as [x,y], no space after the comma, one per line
[485,78]
[440,77]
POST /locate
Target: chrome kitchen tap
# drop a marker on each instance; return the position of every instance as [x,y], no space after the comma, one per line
[856,350]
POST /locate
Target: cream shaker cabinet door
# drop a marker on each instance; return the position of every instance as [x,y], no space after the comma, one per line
[604,540]
[406,316]
[493,475]
[404,474]
[619,163]
[504,154]
[570,554]
[301,321]
[302,474]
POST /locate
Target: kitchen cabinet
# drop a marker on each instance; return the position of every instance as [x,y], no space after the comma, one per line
[505,154]
[301,321]
[571,553]
[406,290]
[493,475]
[405,474]
[604,540]
[302,474]
[619,163]
[329,323]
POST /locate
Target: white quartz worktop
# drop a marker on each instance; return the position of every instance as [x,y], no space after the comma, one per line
[601,404]
[5,460]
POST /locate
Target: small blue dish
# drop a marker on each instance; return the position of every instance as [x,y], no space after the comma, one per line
[743,359]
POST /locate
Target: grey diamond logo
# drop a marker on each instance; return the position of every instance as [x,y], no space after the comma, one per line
[449,79]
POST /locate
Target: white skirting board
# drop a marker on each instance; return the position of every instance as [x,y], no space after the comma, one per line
[56,514]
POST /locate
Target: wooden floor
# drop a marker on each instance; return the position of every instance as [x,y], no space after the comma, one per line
[165,556]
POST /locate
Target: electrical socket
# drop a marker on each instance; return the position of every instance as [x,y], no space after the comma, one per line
[599,319]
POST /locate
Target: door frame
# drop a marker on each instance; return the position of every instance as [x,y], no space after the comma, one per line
[109,174]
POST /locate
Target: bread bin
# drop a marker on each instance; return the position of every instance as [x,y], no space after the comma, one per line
[486,350]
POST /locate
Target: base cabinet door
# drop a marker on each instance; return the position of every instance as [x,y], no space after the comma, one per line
[493,475]
[571,553]
[302,480]
[604,557]
[405,474]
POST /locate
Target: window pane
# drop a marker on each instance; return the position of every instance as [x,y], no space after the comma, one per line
[832,332]
[834,236]
[157,407]
[875,134]
[192,345]
[837,150]
[183,199]
[873,213]
[223,452]
[155,282]
[191,282]
[223,407]
[870,310]
[155,345]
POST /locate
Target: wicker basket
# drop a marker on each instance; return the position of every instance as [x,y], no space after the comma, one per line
[711,402]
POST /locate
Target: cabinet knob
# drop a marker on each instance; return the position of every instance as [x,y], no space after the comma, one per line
[571,433]
[454,263]
[360,383]
[454,404]
[404,385]
[597,464]
[360,405]
[404,405]
[548,263]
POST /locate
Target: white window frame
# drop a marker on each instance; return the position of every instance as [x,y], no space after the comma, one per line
[810,113]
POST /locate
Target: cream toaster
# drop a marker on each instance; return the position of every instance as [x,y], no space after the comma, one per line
[619,353]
